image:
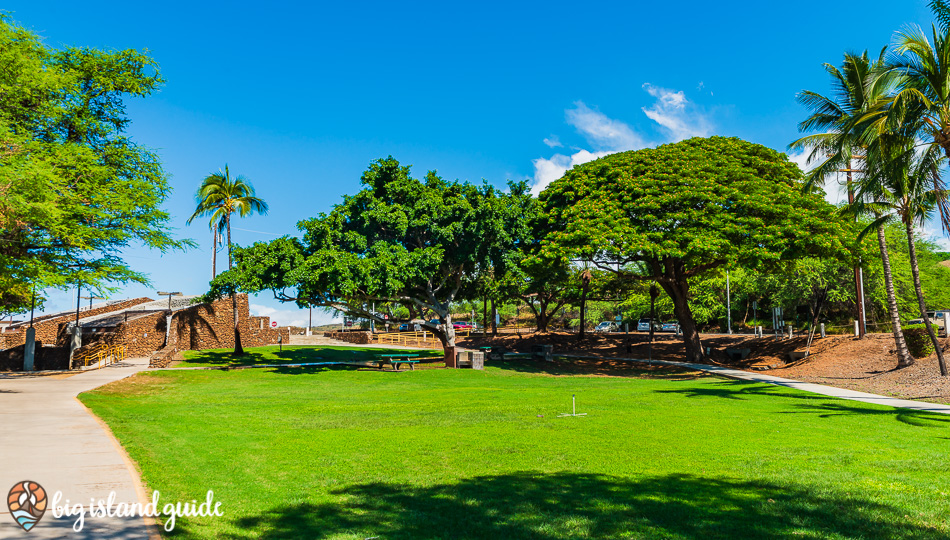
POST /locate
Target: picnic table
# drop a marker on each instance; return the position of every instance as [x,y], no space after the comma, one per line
[395,360]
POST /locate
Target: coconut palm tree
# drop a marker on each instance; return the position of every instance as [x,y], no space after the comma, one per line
[219,197]
[904,183]
[848,121]
[924,96]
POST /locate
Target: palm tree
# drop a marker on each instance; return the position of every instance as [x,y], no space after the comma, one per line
[863,89]
[220,196]
[904,183]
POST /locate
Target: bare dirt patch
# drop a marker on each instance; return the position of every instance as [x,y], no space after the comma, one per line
[867,365]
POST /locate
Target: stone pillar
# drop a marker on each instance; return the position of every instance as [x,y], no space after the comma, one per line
[29,349]
[74,344]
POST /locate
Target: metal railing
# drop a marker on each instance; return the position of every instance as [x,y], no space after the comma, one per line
[100,354]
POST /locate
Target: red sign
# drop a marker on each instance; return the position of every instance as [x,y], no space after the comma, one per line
[273,324]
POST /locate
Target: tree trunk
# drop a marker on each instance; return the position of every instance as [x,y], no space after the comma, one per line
[484,314]
[679,293]
[447,336]
[915,270]
[494,318]
[904,358]
[214,252]
[238,349]
[816,311]
[585,282]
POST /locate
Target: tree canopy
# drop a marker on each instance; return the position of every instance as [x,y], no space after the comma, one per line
[681,210]
[74,189]
[418,243]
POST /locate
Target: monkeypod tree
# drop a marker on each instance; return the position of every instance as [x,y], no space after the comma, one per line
[75,190]
[681,210]
[417,243]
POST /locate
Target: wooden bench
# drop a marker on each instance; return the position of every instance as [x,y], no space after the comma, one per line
[395,360]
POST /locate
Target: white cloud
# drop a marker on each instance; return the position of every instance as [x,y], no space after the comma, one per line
[549,170]
[835,192]
[676,114]
[677,117]
[601,131]
[935,235]
[553,141]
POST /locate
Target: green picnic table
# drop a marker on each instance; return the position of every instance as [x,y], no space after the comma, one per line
[395,360]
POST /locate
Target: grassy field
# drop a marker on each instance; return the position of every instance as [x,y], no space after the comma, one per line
[290,354]
[345,453]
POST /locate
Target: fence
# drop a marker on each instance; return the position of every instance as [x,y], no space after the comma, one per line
[415,339]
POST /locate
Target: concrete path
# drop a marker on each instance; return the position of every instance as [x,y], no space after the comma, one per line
[49,437]
[824,390]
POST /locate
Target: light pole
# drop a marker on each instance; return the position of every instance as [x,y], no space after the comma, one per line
[92,297]
[169,295]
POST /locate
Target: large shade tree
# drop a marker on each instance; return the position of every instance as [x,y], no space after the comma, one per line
[74,189]
[682,210]
[416,243]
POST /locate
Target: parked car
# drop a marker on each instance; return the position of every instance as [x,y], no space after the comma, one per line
[607,326]
[670,326]
[463,325]
[643,325]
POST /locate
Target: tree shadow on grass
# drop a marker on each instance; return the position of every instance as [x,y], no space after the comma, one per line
[291,354]
[823,406]
[573,505]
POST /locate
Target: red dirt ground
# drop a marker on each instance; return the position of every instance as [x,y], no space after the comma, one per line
[867,365]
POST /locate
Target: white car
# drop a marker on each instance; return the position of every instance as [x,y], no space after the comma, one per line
[643,325]
[607,326]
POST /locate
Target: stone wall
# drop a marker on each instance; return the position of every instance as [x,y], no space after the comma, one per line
[164,357]
[53,330]
[202,326]
[44,358]
[211,326]
[360,338]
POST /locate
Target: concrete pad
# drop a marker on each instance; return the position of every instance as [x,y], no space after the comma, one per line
[49,437]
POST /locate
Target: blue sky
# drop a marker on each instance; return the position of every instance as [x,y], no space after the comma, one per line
[301,96]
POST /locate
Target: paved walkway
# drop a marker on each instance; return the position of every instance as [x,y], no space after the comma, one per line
[832,391]
[49,437]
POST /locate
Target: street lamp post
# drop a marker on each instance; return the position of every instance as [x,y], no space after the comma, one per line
[169,295]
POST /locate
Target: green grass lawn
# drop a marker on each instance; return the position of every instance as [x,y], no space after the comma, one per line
[345,453]
[291,354]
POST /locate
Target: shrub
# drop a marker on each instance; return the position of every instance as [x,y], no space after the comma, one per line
[918,340]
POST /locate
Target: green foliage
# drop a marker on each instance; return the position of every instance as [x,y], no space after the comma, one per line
[918,340]
[682,210]
[74,189]
[417,243]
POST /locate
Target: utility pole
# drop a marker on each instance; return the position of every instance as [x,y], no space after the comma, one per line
[858,273]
